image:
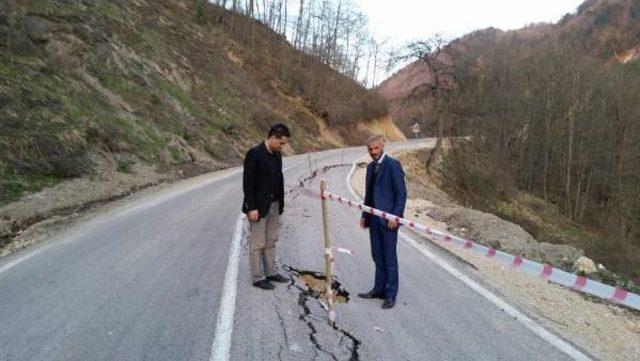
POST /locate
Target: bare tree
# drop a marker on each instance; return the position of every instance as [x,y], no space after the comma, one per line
[430,52]
[250,8]
[333,30]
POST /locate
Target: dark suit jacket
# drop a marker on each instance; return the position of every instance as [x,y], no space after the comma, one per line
[390,191]
[257,178]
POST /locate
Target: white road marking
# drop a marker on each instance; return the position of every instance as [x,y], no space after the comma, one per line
[11,264]
[122,211]
[350,175]
[510,310]
[224,327]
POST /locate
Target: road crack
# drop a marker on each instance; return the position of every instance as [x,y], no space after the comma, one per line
[323,170]
[306,316]
[282,325]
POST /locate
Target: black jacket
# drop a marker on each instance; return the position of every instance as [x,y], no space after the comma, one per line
[257,178]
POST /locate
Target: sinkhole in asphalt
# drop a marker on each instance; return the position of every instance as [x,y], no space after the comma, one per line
[317,283]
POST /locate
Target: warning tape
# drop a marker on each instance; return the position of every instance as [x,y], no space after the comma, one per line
[546,271]
[343,250]
[329,252]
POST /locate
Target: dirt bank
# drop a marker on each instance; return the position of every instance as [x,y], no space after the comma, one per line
[39,216]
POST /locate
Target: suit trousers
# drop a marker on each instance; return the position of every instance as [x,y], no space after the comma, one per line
[263,235]
[385,256]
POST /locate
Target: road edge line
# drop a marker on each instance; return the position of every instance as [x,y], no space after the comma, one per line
[69,235]
[527,322]
[221,345]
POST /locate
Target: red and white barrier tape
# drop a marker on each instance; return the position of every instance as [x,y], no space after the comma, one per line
[545,271]
[329,252]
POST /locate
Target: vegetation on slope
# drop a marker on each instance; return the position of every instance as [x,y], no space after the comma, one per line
[87,86]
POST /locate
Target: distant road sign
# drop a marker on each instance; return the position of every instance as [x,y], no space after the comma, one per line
[415,129]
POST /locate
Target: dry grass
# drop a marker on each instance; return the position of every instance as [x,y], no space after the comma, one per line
[383,125]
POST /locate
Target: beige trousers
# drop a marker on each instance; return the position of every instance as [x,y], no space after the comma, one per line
[263,236]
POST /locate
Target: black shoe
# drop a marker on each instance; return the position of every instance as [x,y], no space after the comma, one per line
[264,284]
[278,278]
[388,303]
[370,294]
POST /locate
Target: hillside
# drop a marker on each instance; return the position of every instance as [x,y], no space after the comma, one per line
[604,29]
[407,94]
[89,87]
[551,112]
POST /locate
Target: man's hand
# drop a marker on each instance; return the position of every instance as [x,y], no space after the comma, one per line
[362,223]
[254,215]
[392,224]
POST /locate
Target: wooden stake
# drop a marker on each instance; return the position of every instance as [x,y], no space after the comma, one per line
[328,253]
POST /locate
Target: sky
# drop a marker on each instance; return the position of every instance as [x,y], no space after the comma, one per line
[401,21]
[398,22]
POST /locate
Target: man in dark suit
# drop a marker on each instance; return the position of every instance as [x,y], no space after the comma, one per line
[263,186]
[385,190]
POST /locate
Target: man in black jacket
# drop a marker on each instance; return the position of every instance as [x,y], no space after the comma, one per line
[263,186]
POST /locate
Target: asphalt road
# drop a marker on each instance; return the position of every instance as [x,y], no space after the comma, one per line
[145,282]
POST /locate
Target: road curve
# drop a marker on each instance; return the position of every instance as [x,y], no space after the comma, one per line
[145,282]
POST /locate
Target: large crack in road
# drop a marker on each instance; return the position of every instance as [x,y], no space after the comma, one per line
[310,293]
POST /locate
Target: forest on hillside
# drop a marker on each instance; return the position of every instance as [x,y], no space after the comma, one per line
[334,31]
[556,116]
[329,36]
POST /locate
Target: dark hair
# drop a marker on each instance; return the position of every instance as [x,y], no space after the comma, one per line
[279,130]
